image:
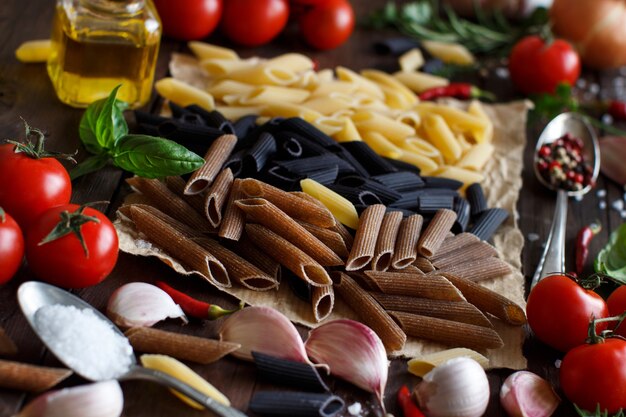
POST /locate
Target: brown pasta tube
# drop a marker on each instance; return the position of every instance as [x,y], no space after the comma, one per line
[180,346]
[415,285]
[451,333]
[296,207]
[288,255]
[177,185]
[322,302]
[460,311]
[423,264]
[153,211]
[405,251]
[234,219]
[31,378]
[364,245]
[7,347]
[386,242]
[455,242]
[436,232]
[488,301]
[217,196]
[480,269]
[465,254]
[329,238]
[179,246]
[260,210]
[215,157]
[169,203]
[345,234]
[370,312]
[252,253]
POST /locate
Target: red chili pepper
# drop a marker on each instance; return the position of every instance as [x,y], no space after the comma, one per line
[456,90]
[409,408]
[192,307]
[617,109]
[583,239]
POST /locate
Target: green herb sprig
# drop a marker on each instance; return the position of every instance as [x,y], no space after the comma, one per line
[104,133]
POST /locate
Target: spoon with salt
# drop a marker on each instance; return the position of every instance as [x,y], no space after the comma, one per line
[54,314]
[553,258]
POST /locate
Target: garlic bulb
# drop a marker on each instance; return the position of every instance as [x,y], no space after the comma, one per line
[524,394]
[101,399]
[139,304]
[457,388]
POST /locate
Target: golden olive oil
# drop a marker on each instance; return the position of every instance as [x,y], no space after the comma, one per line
[99,44]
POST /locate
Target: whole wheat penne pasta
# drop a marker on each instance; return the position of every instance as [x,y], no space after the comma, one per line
[436,232]
[7,347]
[177,185]
[405,250]
[345,234]
[480,269]
[260,210]
[366,236]
[218,153]
[294,206]
[288,255]
[180,346]
[328,237]
[217,196]
[488,301]
[322,302]
[451,333]
[423,264]
[385,244]
[414,284]
[410,269]
[455,242]
[233,220]
[467,254]
[179,246]
[25,377]
[460,311]
[203,50]
[182,228]
[169,203]
[370,312]
[338,206]
[256,256]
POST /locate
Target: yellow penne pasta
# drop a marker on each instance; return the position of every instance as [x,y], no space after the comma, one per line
[411,60]
[271,94]
[476,158]
[422,147]
[440,135]
[340,207]
[325,76]
[457,119]
[420,81]
[396,100]
[476,109]
[423,364]
[219,66]
[184,94]
[464,175]
[463,142]
[292,62]
[388,82]
[381,145]
[450,53]
[236,113]
[276,108]
[330,103]
[368,121]
[308,80]
[203,50]
[348,132]
[363,84]
[327,88]
[426,165]
[329,125]
[264,75]
[410,118]
[34,51]
[229,87]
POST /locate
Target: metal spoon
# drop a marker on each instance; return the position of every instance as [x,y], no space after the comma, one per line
[553,257]
[33,295]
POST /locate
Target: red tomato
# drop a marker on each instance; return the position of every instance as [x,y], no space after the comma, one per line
[559,311]
[189,19]
[11,247]
[538,67]
[254,22]
[63,262]
[617,306]
[595,374]
[328,24]
[31,186]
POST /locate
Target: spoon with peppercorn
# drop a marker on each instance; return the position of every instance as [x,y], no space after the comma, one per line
[567,160]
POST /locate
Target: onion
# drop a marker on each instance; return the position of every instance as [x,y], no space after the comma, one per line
[595,27]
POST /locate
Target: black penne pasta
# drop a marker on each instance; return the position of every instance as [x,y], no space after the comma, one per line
[235,162]
[441,182]
[476,197]
[355,195]
[488,222]
[296,404]
[395,46]
[196,138]
[279,177]
[402,166]
[300,288]
[349,158]
[408,201]
[307,130]
[291,148]
[308,147]
[244,125]
[436,191]
[462,209]
[315,163]
[405,212]
[177,111]
[213,119]
[386,194]
[149,119]
[373,163]
[326,176]
[185,116]
[294,374]
[430,203]
[263,150]
[400,181]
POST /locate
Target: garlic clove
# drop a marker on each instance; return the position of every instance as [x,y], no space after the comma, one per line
[138,304]
[100,399]
[353,352]
[456,388]
[525,394]
[263,330]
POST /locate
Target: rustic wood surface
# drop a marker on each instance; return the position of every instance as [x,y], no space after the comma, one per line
[25,91]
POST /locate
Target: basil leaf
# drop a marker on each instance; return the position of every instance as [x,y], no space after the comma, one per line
[89,165]
[153,157]
[612,258]
[103,123]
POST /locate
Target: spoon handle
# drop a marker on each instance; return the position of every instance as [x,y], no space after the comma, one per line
[138,372]
[553,257]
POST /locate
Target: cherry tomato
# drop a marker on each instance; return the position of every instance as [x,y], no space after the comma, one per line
[617,305]
[595,374]
[189,19]
[559,311]
[539,67]
[254,22]
[30,185]
[11,247]
[63,261]
[328,24]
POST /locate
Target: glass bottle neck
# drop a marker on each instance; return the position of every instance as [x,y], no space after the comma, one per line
[118,7]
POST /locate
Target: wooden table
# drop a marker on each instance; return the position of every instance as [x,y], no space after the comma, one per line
[25,91]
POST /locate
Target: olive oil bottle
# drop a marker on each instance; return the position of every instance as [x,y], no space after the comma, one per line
[99,44]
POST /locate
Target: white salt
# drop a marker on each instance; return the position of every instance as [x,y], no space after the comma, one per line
[578,198]
[557,363]
[355,409]
[533,237]
[607,119]
[85,342]
[502,72]
[618,205]
[601,193]
[602,205]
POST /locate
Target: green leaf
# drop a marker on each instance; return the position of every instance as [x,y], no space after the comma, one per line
[153,157]
[103,123]
[89,165]
[612,258]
